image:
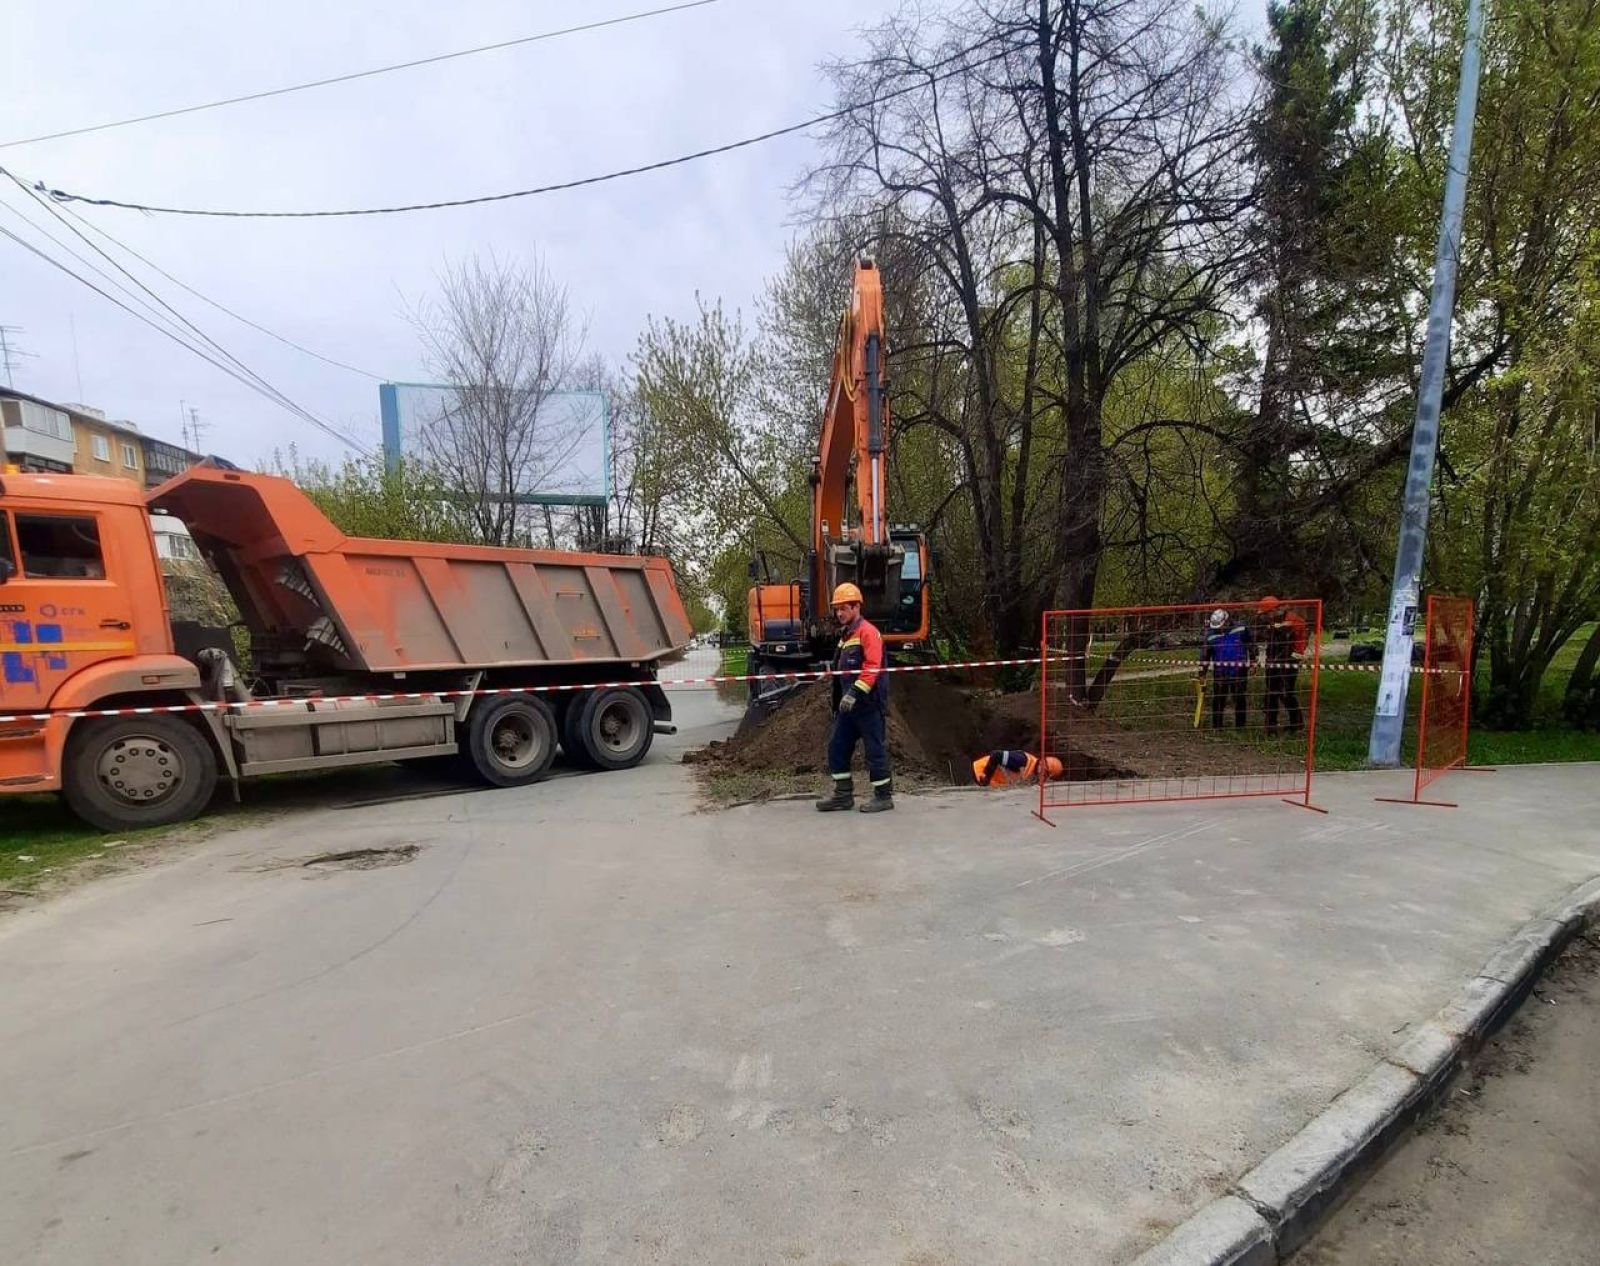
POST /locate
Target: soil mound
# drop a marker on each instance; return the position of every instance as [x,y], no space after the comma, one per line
[936,729]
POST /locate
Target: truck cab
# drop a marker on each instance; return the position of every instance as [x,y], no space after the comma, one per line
[83,616]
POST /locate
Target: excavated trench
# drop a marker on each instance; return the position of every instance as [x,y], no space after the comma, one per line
[936,729]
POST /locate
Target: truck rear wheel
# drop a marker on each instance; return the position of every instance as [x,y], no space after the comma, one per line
[571,720]
[125,772]
[615,726]
[511,740]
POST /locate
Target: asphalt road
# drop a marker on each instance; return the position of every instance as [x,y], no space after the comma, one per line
[589,1022]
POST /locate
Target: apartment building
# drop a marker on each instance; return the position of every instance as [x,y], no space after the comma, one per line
[41,435]
[103,447]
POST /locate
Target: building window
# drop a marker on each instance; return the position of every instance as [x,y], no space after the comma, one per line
[101,447]
[45,421]
[55,547]
[130,456]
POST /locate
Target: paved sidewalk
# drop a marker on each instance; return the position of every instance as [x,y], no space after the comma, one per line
[587,1023]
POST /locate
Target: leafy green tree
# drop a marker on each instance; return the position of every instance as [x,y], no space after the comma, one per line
[410,501]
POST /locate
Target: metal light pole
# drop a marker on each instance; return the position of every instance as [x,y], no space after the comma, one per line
[1390,712]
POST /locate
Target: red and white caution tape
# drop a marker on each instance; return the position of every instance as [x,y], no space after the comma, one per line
[418,696]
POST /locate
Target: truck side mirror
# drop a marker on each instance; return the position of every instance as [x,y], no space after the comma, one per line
[754,570]
[8,569]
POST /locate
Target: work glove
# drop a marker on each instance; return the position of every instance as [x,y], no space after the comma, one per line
[848,703]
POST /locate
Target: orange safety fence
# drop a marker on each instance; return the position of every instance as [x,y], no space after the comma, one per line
[1194,702]
[1445,716]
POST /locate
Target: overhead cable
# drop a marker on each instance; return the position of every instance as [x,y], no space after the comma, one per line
[241,375]
[266,388]
[359,74]
[62,195]
[207,299]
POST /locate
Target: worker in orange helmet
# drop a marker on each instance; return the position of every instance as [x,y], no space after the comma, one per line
[1001,767]
[1283,638]
[860,708]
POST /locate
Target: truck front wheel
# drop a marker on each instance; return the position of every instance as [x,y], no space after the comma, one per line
[511,740]
[125,772]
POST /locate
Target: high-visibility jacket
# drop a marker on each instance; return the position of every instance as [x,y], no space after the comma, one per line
[1013,767]
[859,664]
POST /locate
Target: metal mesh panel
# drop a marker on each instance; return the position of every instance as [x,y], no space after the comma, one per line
[1165,703]
[1446,688]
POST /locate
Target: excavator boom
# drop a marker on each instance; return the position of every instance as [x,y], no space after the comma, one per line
[852,536]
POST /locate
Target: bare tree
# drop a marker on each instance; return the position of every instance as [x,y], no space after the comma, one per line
[503,337]
[1067,173]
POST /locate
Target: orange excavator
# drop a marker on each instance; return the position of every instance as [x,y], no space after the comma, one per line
[852,538]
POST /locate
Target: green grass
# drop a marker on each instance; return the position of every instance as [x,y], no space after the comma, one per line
[1344,719]
[735,661]
[40,839]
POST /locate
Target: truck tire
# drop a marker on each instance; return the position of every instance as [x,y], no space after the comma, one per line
[511,740]
[571,718]
[125,772]
[615,726]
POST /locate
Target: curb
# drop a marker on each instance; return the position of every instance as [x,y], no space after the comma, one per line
[1274,1209]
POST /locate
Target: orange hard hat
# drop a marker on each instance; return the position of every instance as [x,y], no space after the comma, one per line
[1269,603]
[1052,767]
[845,593]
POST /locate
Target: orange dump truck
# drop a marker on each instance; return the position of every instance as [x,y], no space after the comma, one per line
[84,626]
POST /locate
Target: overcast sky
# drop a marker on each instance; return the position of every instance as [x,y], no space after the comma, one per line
[502,120]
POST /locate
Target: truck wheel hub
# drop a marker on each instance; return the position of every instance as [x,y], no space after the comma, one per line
[514,741]
[619,727]
[139,769]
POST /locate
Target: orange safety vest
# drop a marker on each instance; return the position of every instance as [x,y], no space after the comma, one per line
[1030,767]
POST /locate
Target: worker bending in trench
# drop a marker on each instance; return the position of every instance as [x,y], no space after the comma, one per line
[860,708]
[1005,766]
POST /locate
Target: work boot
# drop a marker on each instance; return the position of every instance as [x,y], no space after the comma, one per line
[843,797]
[882,798]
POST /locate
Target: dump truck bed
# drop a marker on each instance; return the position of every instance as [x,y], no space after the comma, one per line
[380,606]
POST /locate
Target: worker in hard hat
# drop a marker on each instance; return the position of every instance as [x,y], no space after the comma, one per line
[1283,639]
[860,708]
[1005,766]
[1229,643]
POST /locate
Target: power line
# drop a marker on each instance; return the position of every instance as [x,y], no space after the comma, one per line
[61,195]
[199,351]
[220,307]
[262,385]
[358,74]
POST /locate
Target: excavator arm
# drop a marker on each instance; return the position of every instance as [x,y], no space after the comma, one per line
[852,536]
[855,424]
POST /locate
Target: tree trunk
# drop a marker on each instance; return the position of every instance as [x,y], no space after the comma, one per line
[1581,704]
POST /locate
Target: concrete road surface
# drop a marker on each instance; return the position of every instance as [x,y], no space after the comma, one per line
[585,1022]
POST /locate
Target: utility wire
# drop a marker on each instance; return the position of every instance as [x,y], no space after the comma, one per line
[220,307]
[267,388]
[177,338]
[61,195]
[359,74]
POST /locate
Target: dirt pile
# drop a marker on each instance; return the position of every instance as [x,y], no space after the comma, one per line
[936,728]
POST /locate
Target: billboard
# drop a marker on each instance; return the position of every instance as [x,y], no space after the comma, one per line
[569,458]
